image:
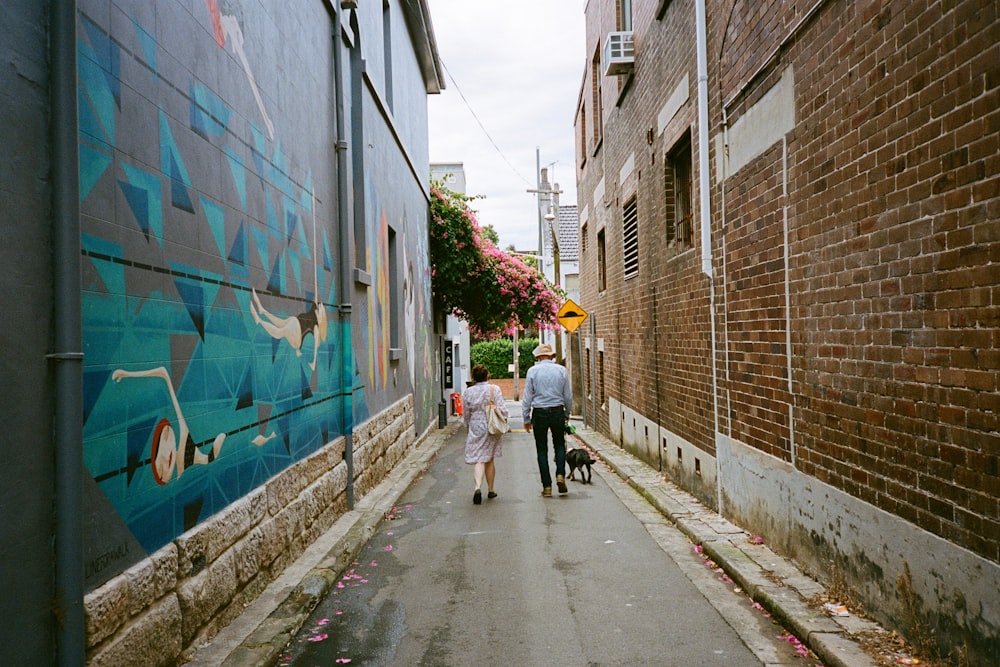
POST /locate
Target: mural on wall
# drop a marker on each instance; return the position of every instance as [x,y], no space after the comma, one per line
[419,328]
[415,298]
[379,303]
[208,284]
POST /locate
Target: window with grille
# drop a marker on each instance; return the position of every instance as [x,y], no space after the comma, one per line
[602,273]
[597,104]
[630,239]
[678,187]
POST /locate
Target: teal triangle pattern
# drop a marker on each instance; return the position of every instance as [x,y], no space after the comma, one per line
[291,219]
[138,202]
[240,249]
[209,114]
[279,173]
[296,265]
[193,297]
[97,103]
[148,44]
[276,283]
[261,241]
[239,172]
[107,54]
[93,164]
[258,150]
[215,216]
[172,164]
[149,213]
[179,196]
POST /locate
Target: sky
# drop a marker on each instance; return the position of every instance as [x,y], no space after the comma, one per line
[519,66]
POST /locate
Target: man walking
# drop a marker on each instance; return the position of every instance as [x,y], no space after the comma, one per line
[545,405]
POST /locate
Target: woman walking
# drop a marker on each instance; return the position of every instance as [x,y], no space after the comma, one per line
[481,448]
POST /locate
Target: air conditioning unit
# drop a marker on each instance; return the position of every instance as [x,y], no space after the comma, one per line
[619,53]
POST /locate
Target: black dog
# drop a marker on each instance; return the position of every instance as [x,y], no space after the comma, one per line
[578,458]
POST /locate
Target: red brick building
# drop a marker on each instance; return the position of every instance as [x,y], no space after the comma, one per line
[790,250]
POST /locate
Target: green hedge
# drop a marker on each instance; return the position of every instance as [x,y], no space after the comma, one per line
[498,354]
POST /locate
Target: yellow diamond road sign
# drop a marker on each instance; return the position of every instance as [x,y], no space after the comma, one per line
[571,315]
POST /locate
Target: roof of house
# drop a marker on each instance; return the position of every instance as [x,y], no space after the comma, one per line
[568,225]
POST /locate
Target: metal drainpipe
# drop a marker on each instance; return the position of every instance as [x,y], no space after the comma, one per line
[346,231]
[706,218]
[68,339]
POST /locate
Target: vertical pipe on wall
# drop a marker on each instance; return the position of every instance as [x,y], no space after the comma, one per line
[68,338]
[593,367]
[788,300]
[723,163]
[345,231]
[706,214]
[703,177]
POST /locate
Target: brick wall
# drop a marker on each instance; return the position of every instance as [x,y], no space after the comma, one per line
[855,256]
[892,207]
[894,274]
[655,326]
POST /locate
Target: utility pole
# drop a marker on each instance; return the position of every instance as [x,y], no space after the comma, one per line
[548,211]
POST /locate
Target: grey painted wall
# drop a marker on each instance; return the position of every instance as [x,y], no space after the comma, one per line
[26,449]
[207,172]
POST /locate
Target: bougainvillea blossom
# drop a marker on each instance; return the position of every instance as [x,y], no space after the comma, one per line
[494,292]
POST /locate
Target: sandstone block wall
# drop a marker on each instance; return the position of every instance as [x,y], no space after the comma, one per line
[183,594]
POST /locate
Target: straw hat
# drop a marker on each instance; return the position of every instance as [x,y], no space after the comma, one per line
[544,350]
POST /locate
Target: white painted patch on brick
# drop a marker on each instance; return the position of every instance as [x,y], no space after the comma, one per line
[674,103]
[627,168]
[762,126]
[599,194]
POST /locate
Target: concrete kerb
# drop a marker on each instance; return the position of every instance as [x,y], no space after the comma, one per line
[747,564]
[263,645]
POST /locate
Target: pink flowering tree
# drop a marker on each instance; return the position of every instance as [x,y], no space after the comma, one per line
[494,292]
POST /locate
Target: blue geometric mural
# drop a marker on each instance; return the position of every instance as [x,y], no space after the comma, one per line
[212,361]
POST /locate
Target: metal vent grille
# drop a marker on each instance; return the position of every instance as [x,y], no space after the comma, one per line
[630,239]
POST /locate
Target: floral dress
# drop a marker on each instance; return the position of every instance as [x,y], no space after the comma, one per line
[480,446]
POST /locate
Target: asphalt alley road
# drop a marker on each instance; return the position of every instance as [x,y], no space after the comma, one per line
[595,577]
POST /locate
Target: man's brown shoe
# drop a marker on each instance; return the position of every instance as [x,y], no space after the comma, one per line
[561,483]
[547,492]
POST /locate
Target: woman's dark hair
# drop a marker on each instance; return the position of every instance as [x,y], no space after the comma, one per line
[480,373]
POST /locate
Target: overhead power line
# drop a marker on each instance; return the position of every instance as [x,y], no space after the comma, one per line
[483,127]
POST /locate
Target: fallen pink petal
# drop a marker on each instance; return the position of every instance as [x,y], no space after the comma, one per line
[338,612]
[373,564]
[388,547]
[342,661]
[319,638]
[322,621]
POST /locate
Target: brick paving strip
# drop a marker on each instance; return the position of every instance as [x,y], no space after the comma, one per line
[258,637]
